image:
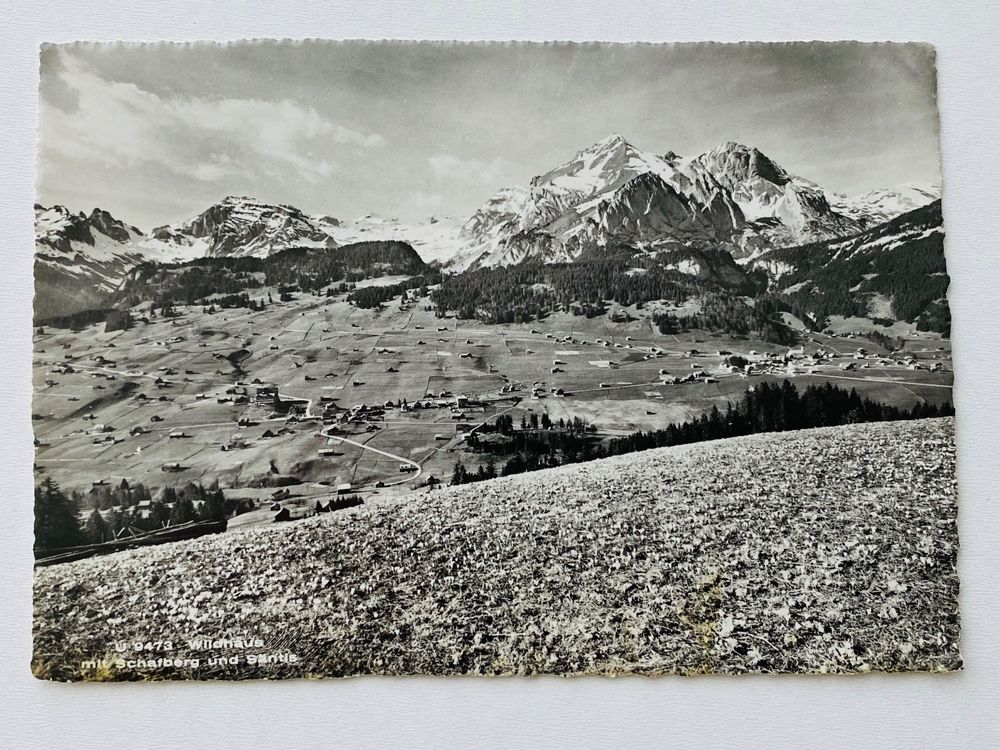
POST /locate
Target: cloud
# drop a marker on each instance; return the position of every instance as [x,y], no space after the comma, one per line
[427,201]
[120,124]
[469,171]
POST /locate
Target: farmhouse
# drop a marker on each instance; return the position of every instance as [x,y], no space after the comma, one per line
[266,395]
[344,488]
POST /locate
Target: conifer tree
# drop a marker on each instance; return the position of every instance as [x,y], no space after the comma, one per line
[56,522]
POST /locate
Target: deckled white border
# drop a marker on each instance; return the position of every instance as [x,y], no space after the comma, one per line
[871,711]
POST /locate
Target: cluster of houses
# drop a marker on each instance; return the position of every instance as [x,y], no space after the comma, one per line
[237,394]
[650,351]
[696,376]
[797,362]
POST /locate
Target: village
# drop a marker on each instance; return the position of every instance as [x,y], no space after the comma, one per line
[290,407]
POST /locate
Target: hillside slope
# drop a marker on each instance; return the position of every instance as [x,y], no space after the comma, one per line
[822,550]
[895,270]
[80,259]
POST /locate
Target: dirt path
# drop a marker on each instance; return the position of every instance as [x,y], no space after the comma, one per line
[364,446]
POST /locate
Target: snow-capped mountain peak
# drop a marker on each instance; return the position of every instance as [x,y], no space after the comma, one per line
[80,258]
[57,229]
[782,208]
[882,204]
[740,162]
[605,165]
[241,226]
[569,208]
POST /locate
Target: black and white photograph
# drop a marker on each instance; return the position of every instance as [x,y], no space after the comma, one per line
[450,358]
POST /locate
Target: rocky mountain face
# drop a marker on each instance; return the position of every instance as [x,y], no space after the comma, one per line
[241,226]
[609,192]
[57,228]
[732,197]
[781,209]
[80,259]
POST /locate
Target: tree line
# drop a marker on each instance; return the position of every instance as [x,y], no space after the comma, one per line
[531,291]
[902,260]
[770,407]
[377,295]
[108,512]
[309,269]
[732,315]
[767,407]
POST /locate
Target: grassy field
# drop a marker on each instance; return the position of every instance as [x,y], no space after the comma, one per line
[823,550]
[315,347]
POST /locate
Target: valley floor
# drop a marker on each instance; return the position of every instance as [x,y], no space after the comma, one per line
[822,550]
[105,422]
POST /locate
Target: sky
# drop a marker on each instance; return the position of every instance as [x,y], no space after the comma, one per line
[156,133]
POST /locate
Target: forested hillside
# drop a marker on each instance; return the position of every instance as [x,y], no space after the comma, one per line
[525,292]
[307,269]
[901,262]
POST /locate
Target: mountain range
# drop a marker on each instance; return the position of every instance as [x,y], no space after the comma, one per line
[610,195]
[733,197]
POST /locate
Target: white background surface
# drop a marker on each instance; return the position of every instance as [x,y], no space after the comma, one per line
[866,711]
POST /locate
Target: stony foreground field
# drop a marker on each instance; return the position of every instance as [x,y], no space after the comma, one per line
[823,550]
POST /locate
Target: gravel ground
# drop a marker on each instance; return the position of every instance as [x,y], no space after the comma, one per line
[830,550]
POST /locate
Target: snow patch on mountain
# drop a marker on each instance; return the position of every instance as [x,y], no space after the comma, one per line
[436,239]
[77,244]
[881,205]
[782,209]
[608,192]
[242,226]
[611,193]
